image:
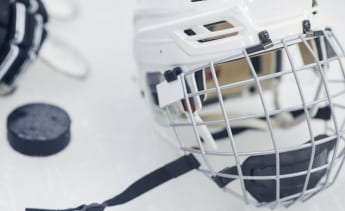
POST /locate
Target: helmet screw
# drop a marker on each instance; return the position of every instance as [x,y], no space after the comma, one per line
[171,75]
[264,36]
[306,26]
[265,39]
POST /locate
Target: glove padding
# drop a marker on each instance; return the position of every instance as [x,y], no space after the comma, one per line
[22,33]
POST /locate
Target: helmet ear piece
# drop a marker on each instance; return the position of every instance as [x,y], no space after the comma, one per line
[191,84]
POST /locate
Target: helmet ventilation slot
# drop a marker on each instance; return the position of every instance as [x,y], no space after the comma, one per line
[220,37]
[219,27]
[190,32]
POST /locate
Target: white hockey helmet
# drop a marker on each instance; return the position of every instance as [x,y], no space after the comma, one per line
[253,88]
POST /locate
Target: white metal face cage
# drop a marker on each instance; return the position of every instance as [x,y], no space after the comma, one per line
[301,100]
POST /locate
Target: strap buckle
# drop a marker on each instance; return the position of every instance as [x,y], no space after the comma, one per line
[94,207]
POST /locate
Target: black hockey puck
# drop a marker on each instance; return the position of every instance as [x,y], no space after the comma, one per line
[38,129]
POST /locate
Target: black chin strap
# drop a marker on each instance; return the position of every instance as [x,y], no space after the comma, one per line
[168,172]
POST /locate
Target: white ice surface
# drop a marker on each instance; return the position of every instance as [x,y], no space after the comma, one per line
[113,143]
